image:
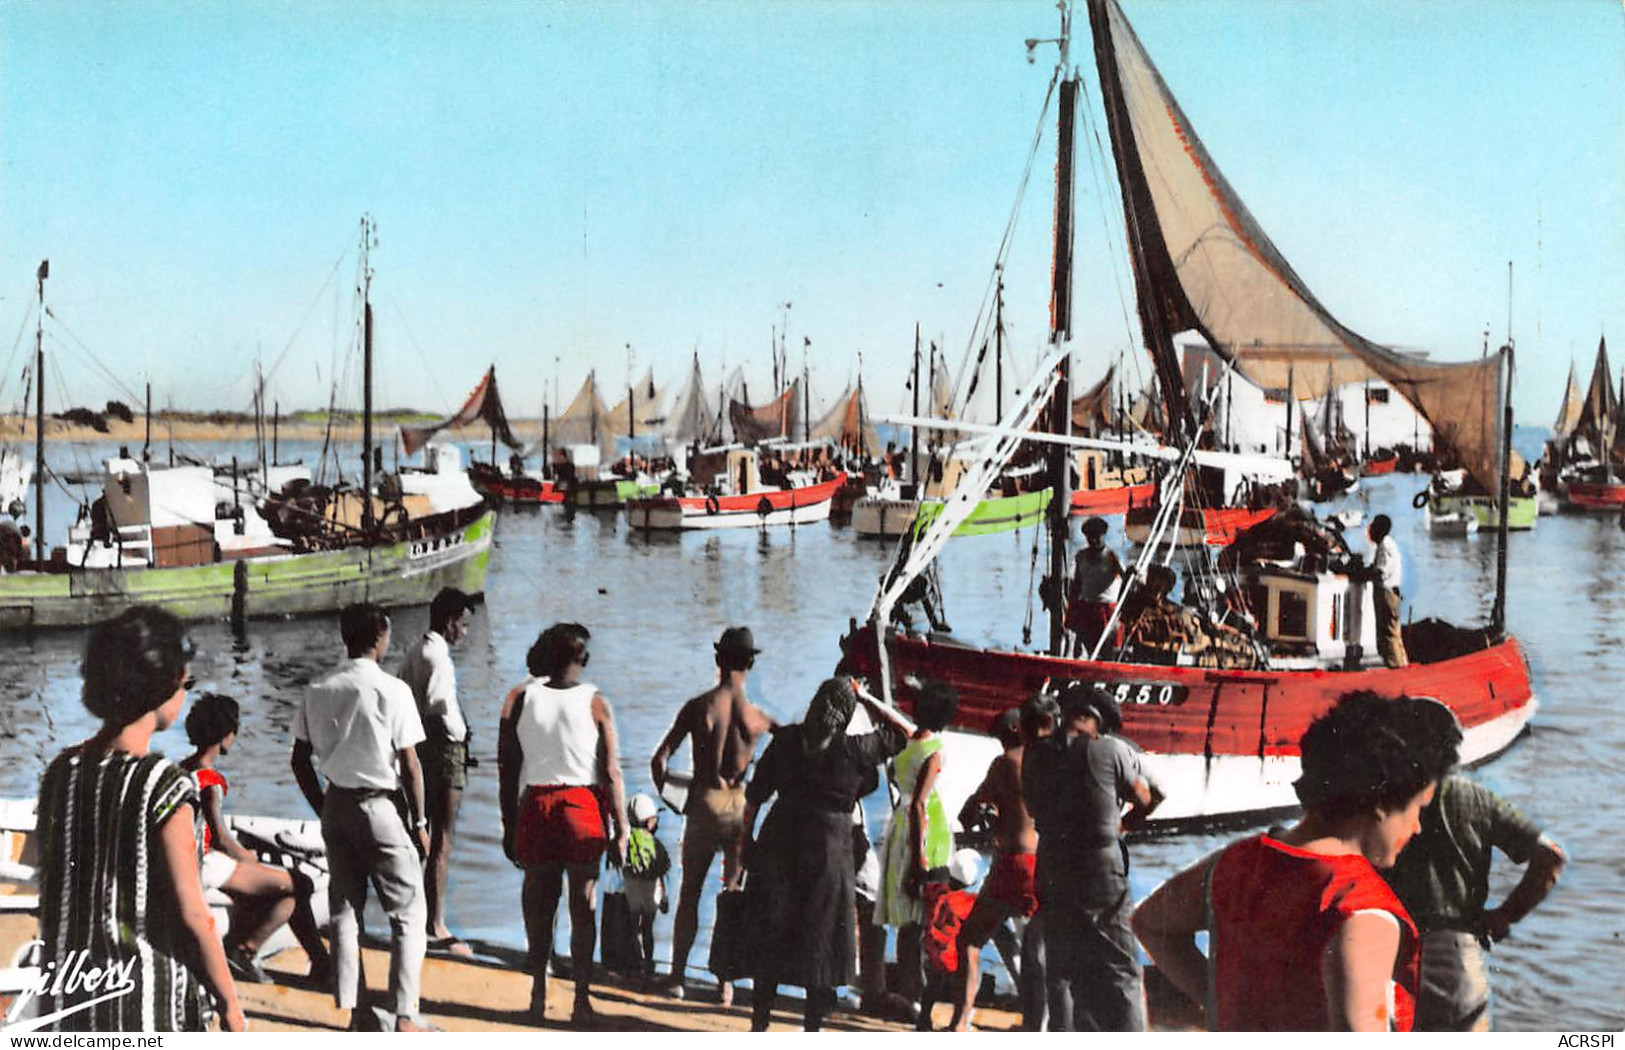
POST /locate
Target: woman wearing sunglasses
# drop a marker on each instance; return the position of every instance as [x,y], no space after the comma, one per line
[119,888]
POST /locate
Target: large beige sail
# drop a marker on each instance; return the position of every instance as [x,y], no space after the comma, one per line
[1201,261]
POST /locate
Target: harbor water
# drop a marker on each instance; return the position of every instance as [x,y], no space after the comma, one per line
[655,604]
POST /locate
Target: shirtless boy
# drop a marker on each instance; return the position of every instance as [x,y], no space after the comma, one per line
[723,727]
[1009,891]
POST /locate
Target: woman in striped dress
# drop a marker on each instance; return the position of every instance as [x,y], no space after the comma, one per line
[119,887]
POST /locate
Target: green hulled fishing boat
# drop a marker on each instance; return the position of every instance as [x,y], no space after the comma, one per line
[994,514]
[263,542]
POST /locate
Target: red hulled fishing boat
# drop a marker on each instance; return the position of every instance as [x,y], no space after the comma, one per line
[1380,463]
[1106,501]
[801,502]
[1218,691]
[1212,526]
[522,489]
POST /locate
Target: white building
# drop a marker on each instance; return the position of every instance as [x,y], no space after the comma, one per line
[1251,419]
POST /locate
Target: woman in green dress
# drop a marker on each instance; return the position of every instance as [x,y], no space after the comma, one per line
[919,838]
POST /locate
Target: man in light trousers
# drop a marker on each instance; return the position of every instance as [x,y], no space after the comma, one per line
[360,727]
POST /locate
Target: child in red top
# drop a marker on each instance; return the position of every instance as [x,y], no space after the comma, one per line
[264,897]
[946,905]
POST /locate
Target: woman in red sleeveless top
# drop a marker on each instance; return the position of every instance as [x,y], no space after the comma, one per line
[1303,933]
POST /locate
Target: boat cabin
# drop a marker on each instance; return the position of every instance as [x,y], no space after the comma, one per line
[1310,619]
[1096,473]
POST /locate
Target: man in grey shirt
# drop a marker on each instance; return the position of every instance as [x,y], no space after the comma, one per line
[1076,784]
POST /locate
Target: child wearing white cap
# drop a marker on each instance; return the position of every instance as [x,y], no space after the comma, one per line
[647,863]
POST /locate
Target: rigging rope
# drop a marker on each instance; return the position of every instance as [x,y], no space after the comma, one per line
[1115,245]
[979,332]
[16,345]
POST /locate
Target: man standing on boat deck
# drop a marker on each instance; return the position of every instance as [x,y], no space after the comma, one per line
[1442,877]
[1076,784]
[360,728]
[1384,575]
[1096,575]
[443,755]
[723,727]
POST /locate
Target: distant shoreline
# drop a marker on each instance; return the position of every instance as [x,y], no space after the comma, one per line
[200,427]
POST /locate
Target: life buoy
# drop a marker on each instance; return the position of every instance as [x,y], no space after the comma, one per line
[1420,500]
[764,507]
[712,504]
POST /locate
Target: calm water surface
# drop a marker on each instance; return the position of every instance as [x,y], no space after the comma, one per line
[654,606]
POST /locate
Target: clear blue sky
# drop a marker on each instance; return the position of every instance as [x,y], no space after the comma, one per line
[562,180]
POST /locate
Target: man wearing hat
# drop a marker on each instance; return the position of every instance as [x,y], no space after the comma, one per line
[1096,573]
[443,754]
[722,726]
[1076,784]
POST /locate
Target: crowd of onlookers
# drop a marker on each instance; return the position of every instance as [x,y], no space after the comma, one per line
[1367,913]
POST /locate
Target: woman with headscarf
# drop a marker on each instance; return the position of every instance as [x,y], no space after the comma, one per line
[801,866]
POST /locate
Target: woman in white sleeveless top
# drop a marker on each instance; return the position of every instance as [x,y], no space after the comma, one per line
[556,757]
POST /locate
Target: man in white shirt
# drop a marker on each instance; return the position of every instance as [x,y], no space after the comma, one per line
[1385,574]
[443,754]
[359,727]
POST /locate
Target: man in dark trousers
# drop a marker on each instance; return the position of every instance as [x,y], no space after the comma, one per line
[1076,784]
[428,670]
[723,727]
[1443,876]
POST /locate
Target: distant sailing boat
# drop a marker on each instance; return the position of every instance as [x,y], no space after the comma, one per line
[157,540]
[1591,474]
[1219,726]
[895,508]
[484,404]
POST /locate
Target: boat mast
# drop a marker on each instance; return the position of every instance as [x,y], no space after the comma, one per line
[1291,403]
[367,232]
[863,422]
[631,412]
[1061,330]
[1498,616]
[40,549]
[914,431]
[1229,410]
[998,345]
[1368,419]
